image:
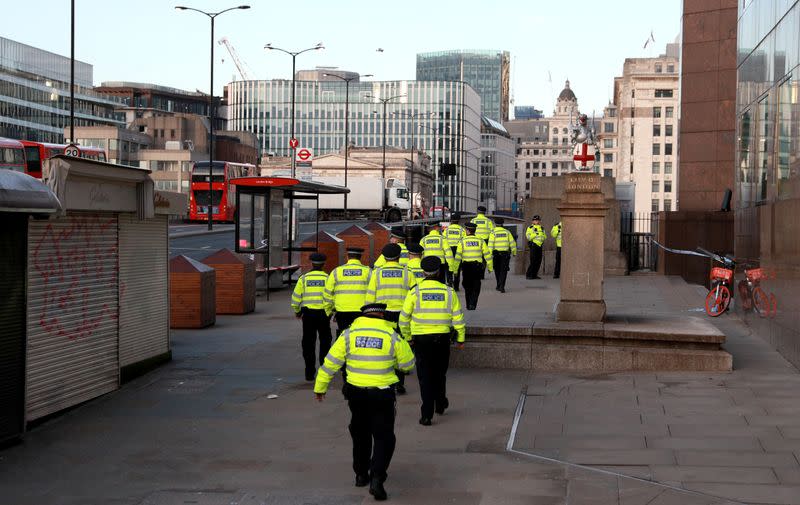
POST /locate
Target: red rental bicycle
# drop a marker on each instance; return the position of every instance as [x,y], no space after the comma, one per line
[719,295]
[753,296]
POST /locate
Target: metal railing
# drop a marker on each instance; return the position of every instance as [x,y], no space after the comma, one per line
[636,233]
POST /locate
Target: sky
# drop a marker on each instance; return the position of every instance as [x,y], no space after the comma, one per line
[585,41]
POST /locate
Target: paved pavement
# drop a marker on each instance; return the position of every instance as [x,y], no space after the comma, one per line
[204,429]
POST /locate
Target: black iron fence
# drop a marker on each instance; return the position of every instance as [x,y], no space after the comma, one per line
[637,231]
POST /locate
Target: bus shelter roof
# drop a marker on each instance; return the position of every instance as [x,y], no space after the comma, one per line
[25,194]
[288,184]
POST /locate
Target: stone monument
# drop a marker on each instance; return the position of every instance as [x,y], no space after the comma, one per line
[583,210]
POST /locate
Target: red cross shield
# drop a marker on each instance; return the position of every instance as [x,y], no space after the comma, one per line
[584,156]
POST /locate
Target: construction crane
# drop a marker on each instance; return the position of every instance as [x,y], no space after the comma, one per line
[239,66]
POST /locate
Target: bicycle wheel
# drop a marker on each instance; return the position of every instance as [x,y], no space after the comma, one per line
[744,295]
[773,305]
[761,302]
[717,300]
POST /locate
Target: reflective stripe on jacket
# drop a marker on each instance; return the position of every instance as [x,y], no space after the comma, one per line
[309,292]
[370,350]
[501,240]
[431,307]
[346,287]
[415,268]
[472,248]
[389,284]
[454,233]
[556,233]
[535,233]
[435,245]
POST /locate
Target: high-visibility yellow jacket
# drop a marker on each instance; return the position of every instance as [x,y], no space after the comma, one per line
[535,233]
[436,245]
[556,233]
[389,284]
[431,307]
[346,287]
[485,226]
[370,350]
[501,240]
[454,233]
[403,256]
[309,292]
[472,248]
[415,268]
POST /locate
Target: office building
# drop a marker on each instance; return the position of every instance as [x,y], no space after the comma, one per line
[497,167]
[527,112]
[137,98]
[487,71]
[435,117]
[35,95]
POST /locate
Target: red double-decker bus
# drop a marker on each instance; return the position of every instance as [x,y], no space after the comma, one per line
[12,154]
[223,198]
[37,152]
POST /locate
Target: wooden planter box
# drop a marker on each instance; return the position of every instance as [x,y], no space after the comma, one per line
[330,246]
[356,236]
[236,282]
[380,235]
[192,294]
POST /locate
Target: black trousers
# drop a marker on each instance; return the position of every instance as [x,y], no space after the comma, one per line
[432,353]
[315,322]
[472,270]
[455,277]
[344,320]
[394,317]
[501,261]
[443,269]
[536,261]
[372,429]
[557,270]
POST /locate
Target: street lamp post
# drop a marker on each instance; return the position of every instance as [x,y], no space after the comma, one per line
[383,131]
[294,55]
[436,137]
[413,117]
[212,16]
[346,124]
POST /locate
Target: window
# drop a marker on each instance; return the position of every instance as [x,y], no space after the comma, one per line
[553,165]
[656,186]
[656,167]
[527,175]
[663,93]
[564,131]
[608,157]
[172,133]
[631,166]
[555,130]
[667,167]
[632,130]
[667,205]
[656,111]
[667,186]
[668,149]
[654,205]
[670,70]
[668,130]
[555,140]
[631,148]
[612,113]
[608,143]
[608,173]
[656,149]
[656,130]
[668,111]
[527,186]
[536,152]
[527,165]
[608,127]
[536,165]
[658,68]
[564,141]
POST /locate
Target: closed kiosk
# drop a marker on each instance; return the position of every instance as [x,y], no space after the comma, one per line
[192,293]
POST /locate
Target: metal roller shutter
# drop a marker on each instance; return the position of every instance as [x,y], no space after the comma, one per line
[73,312]
[143,288]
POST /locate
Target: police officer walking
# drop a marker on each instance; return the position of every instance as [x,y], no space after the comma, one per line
[370,350]
[389,284]
[308,303]
[536,236]
[346,288]
[414,258]
[555,232]
[483,223]
[472,254]
[436,245]
[399,238]
[503,246]
[431,313]
[454,234]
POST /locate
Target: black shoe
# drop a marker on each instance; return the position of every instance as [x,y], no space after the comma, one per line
[502,290]
[555,277]
[362,480]
[376,489]
[401,389]
[440,408]
[535,277]
[425,421]
[310,376]
[529,278]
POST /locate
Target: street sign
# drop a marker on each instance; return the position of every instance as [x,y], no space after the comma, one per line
[72,150]
[293,143]
[304,155]
[584,156]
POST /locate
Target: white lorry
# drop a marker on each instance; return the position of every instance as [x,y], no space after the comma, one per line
[369,197]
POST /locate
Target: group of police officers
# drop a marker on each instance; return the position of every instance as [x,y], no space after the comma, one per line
[408,300]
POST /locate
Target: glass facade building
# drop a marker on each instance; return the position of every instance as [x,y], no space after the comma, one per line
[498,179]
[485,70]
[767,170]
[440,117]
[34,95]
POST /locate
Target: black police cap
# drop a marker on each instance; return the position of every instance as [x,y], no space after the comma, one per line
[499,220]
[391,251]
[481,208]
[416,249]
[471,226]
[318,258]
[430,264]
[355,250]
[537,218]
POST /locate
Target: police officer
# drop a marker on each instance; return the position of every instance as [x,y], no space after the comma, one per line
[454,234]
[536,236]
[399,238]
[472,254]
[389,284]
[308,303]
[483,223]
[431,313]
[555,232]
[346,288]
[370,350]
[414,258]
[503,246]
[436,245]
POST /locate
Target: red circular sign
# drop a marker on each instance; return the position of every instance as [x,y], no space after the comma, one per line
[293,143]
[304,154]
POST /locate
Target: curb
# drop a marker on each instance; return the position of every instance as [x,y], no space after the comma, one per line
[198,233]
